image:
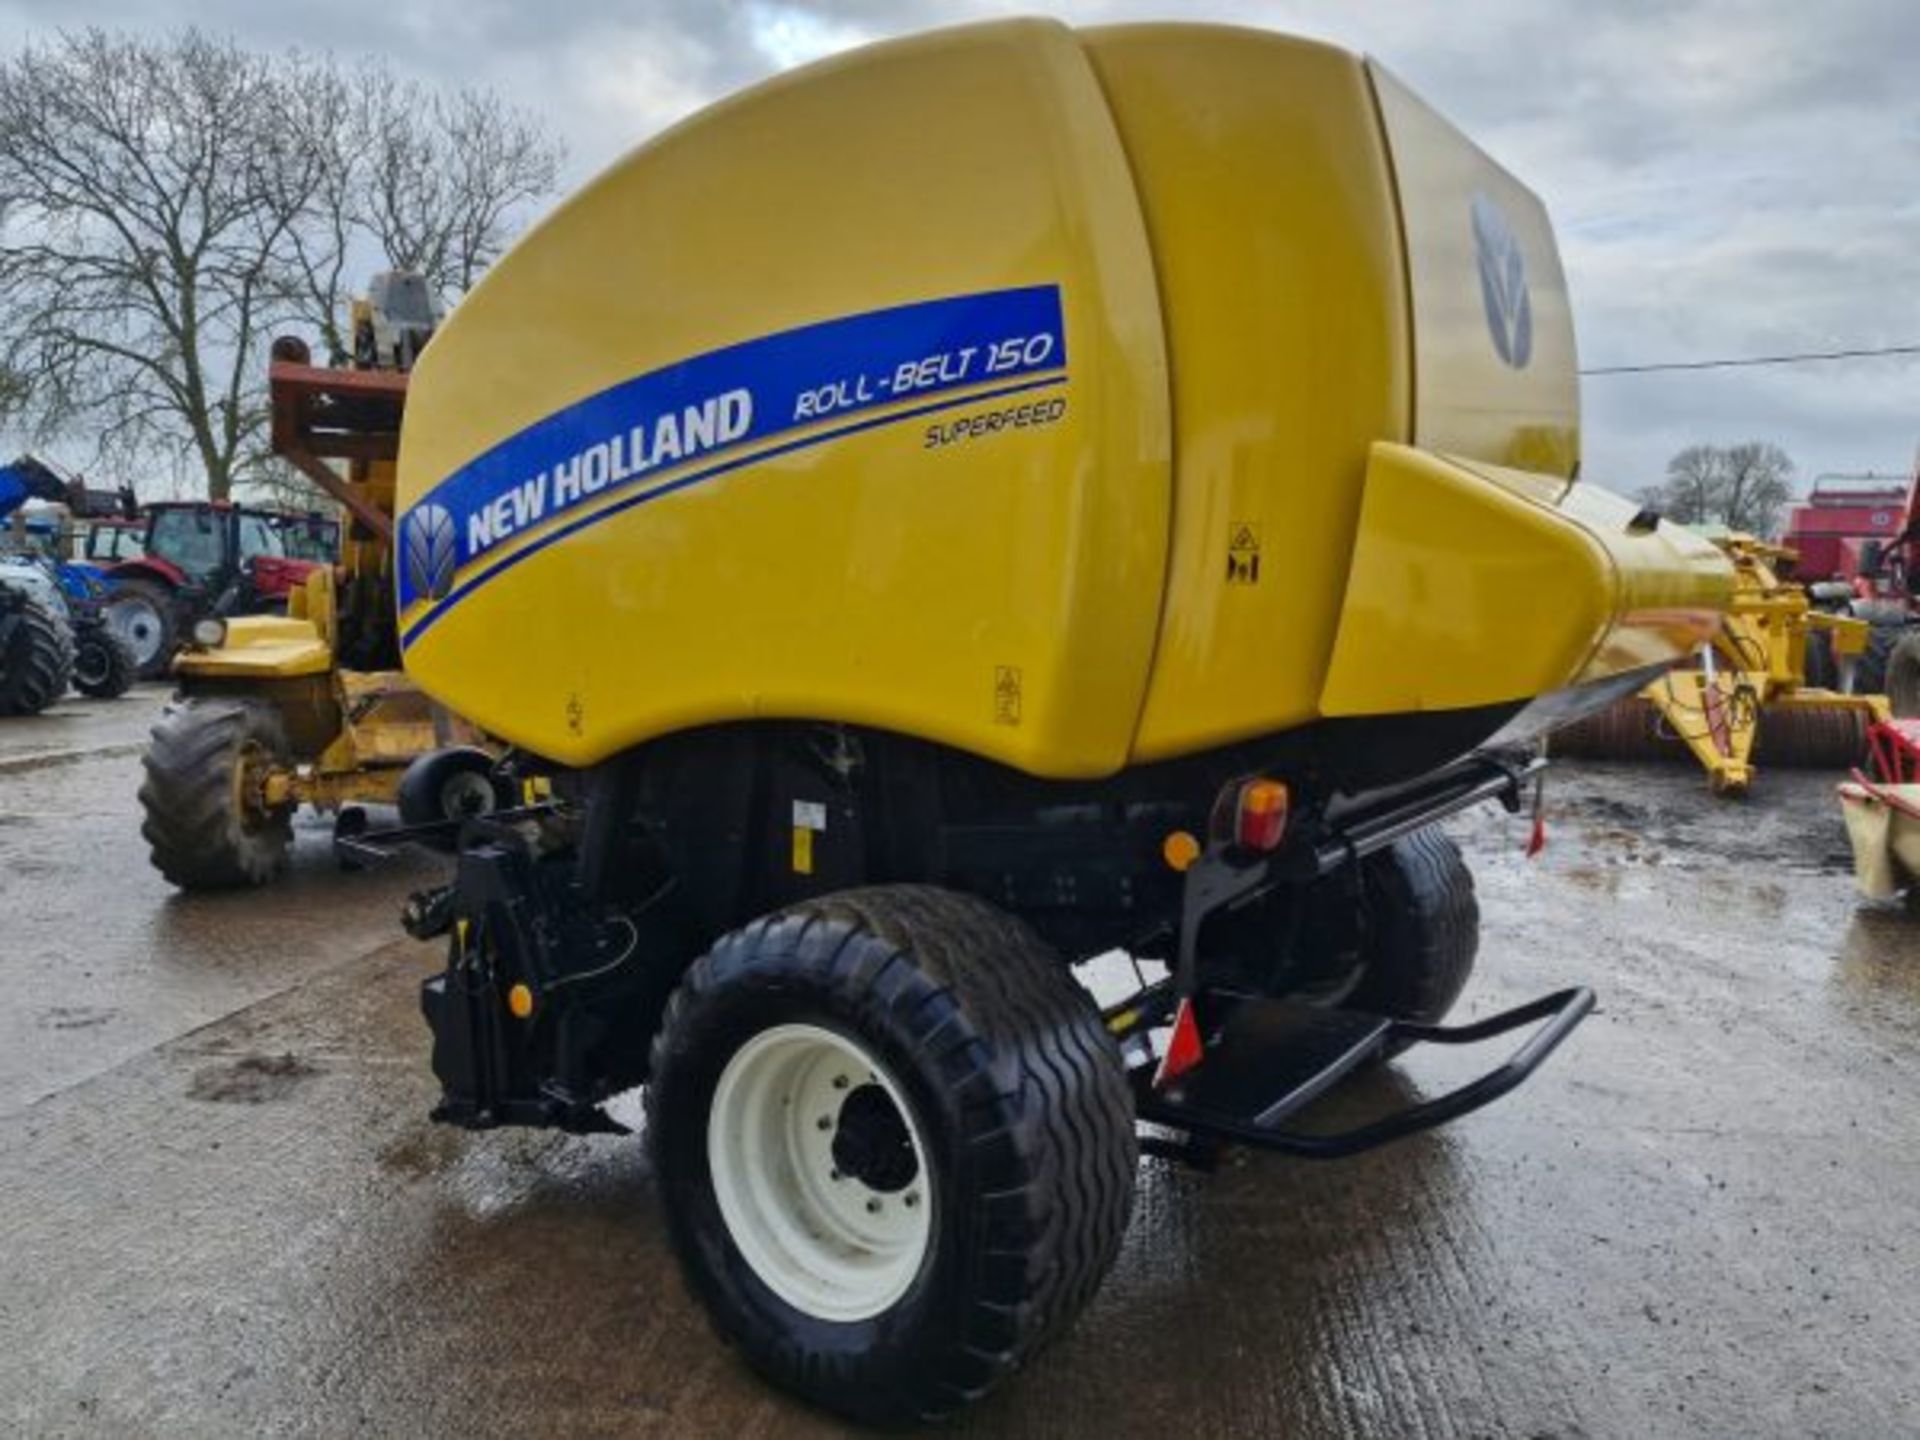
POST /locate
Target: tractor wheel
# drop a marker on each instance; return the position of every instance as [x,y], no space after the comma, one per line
[454,784]
[36,655]
[1903,675]
[208,824]
[1870,670]
[895,1145]
[1822,671]
[103,662]
[141,612]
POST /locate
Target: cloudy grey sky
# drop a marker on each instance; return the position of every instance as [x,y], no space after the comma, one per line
[1728,177]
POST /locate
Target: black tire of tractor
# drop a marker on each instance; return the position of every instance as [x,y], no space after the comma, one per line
[1822,671]
[38,662]
[199,832]
[1903,675]
[103,663]
[1421,929]
[150,593]
[1017,1089]
[1870,669]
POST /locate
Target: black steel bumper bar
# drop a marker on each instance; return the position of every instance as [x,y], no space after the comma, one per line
[1185,1107]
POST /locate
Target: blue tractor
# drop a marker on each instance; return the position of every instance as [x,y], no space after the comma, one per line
[53,627]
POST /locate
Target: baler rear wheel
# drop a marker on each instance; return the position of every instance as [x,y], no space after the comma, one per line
[895,1143]
[1420,928]
[208,823]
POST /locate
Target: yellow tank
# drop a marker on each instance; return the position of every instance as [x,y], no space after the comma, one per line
[1073,398]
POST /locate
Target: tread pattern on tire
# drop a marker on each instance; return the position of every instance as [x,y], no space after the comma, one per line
[196,839]
[39,661]
[1424,911]
[1039,1079]
[1902,675]
[1870,669]
[117,672]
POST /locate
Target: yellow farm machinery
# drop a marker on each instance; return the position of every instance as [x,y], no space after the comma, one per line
[951,512]
[1747,699]
[310,707]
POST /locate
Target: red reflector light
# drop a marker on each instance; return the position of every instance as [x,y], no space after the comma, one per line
[1261,816]
[1184,1049]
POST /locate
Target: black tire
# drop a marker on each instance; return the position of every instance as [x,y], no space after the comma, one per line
[142,613]
[36,658]
[1822,669]
[1870,669]
[103,663]
[1903,675]
[1420,929]
[1018,1093]
[452,784]
[202,831]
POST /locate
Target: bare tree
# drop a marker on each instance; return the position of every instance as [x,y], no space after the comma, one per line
[166,205]
[1691,491]
[145,196]
[412,179]
[1759,483]
[1743,487]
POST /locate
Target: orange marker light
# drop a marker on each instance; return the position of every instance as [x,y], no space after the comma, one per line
[1179,850]
[520,1002]
[1261,816]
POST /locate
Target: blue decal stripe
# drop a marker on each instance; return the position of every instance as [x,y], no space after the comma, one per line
[461,591]
[493,559]
[726,401]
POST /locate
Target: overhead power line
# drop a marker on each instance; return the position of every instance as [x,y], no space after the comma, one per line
[1803,358]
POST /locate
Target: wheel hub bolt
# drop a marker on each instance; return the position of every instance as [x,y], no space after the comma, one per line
[913,1199]
[873,1207]
[840,1082]
[825,1122]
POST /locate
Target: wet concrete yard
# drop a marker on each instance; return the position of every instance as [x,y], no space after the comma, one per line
[225,1212]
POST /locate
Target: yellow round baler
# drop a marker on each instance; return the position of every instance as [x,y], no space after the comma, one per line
[954,510]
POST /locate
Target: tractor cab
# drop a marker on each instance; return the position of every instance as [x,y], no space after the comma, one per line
[196,560]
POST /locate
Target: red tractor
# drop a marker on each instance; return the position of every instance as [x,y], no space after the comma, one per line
[197,559]
[1858,542]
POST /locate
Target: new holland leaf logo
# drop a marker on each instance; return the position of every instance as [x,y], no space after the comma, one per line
[1503,283]
[430,546]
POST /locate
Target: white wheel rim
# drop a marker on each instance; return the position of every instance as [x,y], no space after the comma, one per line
[138,623]
[465,795]
[840,1249]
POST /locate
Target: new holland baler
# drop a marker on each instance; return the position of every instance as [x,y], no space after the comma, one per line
[953,511]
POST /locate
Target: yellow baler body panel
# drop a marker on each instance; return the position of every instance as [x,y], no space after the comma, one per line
[1049,395]
[1495,374]
[908,561]
[1268,196]
[1475,586]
